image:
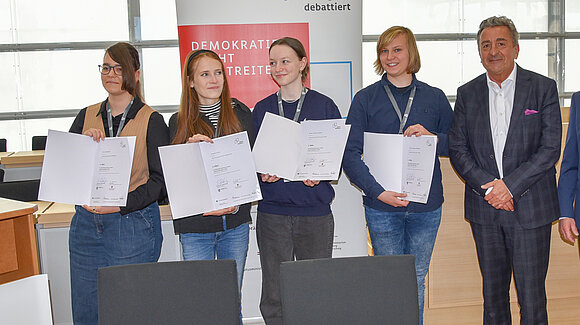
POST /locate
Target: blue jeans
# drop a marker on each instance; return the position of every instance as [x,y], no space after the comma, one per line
[229,244]
[398,233]
[100,240]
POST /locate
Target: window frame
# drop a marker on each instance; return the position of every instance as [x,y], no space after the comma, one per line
[556,37]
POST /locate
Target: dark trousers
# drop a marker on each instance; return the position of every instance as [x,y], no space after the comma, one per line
[503,249]
[286,238]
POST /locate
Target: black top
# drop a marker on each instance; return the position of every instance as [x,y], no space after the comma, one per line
[208,224]
[157,135]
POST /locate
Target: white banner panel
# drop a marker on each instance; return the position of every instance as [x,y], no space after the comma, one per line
[240,33]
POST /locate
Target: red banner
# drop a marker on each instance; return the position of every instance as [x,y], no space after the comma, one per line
[244,50]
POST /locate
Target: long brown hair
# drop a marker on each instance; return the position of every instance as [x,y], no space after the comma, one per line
[189,121]
[128,57]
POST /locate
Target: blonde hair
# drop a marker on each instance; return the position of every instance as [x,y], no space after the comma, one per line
[387,37]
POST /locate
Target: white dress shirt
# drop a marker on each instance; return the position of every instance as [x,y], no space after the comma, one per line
[501,102]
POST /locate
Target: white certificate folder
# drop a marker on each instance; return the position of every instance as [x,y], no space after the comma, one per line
[300,151]
[401,164]
[79,170]
[203,177]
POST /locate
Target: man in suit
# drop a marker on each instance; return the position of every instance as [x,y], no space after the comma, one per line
[569,182]
[504,142]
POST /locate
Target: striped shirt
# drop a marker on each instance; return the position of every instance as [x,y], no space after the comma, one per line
[212,112]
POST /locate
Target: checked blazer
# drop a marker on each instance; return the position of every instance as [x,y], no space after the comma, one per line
[532,149]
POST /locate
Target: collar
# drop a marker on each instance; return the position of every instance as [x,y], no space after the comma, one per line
[133,110]
[386,81]
[511,78]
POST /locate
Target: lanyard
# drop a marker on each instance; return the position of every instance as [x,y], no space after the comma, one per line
[403,118]
[298,108]
[121,124]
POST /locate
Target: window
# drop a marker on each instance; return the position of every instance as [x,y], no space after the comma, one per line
[158,19]
[5,22]
[70,21]
[53,80]
[572,16]
[421,16]
[49,51]
[8,84]
[572,65]
[162,74]
[446,32]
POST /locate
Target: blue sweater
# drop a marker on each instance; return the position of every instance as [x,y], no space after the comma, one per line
[372,111]
[295,198]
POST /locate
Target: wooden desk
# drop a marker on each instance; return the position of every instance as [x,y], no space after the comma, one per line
[42,206]
[5,154]
[18,252]
[23,159]
[22,166]
[56,215]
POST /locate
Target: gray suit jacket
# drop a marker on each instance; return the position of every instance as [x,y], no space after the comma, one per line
[531,151]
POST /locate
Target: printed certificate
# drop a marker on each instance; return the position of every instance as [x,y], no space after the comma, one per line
[79,170]
[300,151]
[401,164]
[203,177]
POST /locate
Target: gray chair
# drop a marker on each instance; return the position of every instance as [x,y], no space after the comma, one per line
[358,290]
[19,190]
[39,142]
[185,292]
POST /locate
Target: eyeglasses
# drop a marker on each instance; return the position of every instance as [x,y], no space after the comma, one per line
[105,69]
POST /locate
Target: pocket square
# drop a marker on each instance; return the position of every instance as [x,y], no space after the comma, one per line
[530,112]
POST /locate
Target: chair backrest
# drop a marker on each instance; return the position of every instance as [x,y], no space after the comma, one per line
[38,142]
[2,145]
[357,290]
[185,292]
[20,190]
[26,301]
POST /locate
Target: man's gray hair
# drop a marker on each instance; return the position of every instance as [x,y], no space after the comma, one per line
[499,21]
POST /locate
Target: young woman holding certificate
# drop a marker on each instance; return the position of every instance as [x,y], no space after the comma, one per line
[102,236]
[294,218]
[207,111]
[399,104]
